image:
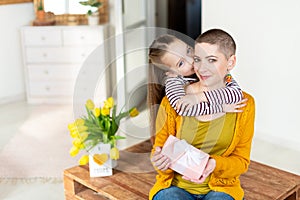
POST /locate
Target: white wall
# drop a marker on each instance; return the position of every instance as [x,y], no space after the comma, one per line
[13,16]
[267,34]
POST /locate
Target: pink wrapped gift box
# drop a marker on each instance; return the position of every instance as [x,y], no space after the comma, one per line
[185,158]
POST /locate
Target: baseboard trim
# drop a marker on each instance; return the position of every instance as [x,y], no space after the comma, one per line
[12,99]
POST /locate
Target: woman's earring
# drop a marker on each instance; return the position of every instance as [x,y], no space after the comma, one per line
[228,78]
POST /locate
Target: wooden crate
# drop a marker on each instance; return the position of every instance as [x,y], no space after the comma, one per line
[261,182]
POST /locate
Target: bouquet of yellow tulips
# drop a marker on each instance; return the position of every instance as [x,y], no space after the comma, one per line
[100,125]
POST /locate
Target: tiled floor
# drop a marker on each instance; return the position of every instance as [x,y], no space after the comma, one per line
[13,115]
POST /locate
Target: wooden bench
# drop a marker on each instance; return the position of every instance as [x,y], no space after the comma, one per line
[137,176]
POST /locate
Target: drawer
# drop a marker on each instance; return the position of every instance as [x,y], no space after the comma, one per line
[83,36]
[58,54]
[53,72]
[42,37]
[51,88]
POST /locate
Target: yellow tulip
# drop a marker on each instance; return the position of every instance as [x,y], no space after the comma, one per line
[82,128]
[109,103]
[74,151]
[84,160]
[105,111]
[133,112]
[74,133]
[71,126]
[90,104]
[97,112]
[114,153]
[83,136]
[77,142]
[79,122]
[82,146]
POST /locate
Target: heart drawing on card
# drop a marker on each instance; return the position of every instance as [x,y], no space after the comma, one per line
[100,159]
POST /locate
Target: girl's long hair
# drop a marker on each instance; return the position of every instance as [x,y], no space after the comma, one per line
[156,76]
[155,93]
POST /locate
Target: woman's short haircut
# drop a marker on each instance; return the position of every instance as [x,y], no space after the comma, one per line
[221,38]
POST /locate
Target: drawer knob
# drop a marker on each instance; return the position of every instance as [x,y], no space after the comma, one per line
[44,55]
[46,72]
[43,38]
[47,88]
[82,37]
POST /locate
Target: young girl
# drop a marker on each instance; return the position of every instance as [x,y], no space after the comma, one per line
[169,78]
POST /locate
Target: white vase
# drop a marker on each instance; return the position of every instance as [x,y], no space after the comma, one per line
[114,163]
[93,20]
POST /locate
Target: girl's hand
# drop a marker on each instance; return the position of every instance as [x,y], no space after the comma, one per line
[210,166]
[160,161]
[235,107]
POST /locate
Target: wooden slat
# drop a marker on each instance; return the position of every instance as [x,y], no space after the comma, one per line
[270,188]
[269,182]
[253,190]
[276,176]
[291,196]
[130,183]
[105,186]
[146,177]
[81,175]
[134,170]
[69,185]
[90,195]
[118,192]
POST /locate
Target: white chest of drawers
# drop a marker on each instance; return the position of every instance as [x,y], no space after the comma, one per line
[53,56]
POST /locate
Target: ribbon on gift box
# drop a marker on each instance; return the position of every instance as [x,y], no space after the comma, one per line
[185,158]
[180,148]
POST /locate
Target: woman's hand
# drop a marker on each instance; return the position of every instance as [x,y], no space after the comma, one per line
[160,161]
[210,166]
[237,108]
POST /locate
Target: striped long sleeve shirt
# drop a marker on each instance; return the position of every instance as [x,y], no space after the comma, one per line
[230,94]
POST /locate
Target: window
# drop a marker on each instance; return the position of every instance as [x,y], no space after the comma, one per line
[68,6]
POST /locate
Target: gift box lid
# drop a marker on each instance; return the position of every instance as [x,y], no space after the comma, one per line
[185,158]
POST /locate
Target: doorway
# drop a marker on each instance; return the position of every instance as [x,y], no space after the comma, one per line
[183,16]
